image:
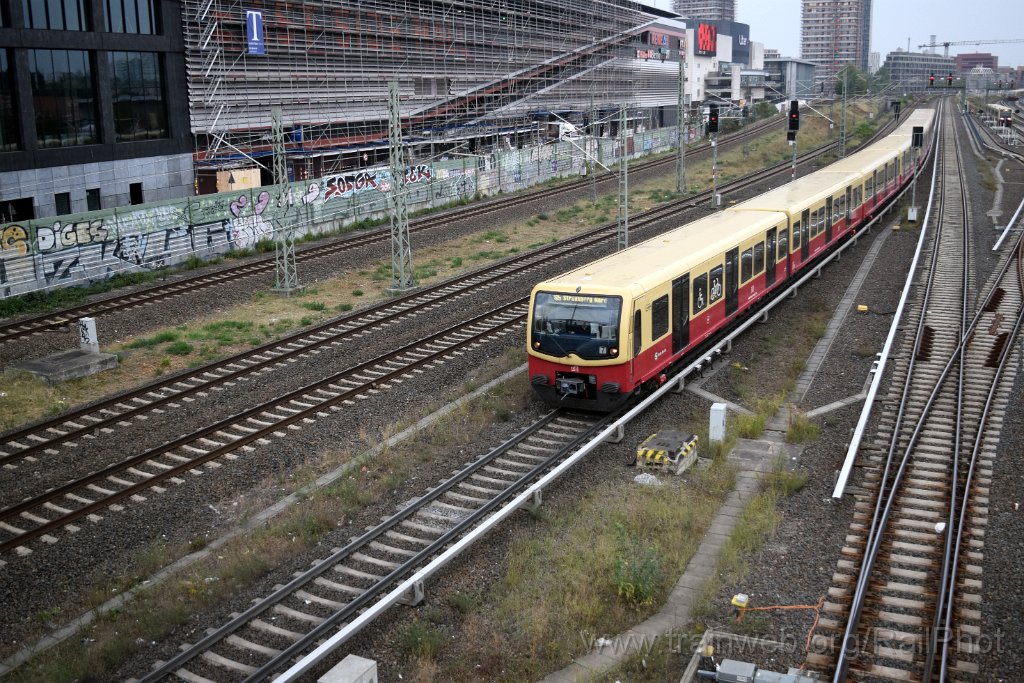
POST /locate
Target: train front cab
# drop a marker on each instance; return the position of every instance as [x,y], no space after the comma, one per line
[671,294]
[576,347]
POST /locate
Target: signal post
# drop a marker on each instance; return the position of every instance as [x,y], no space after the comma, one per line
[794,126]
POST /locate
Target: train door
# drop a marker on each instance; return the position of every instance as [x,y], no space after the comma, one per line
[828,220]
[769,257]
[732,280]
[846,205]
[805,235]
[680,313]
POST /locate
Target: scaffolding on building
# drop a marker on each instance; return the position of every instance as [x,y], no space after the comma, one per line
[469,73]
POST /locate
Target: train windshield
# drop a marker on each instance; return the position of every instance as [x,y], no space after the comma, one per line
[585,325]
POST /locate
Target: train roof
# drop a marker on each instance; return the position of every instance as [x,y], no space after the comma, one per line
[836,176]
[859,163]
[652,262]
[918,117]
[798,194]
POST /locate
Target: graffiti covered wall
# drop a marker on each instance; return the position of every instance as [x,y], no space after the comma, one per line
[85,248]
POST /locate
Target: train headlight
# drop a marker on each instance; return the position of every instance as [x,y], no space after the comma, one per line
[536,344]
[613,351]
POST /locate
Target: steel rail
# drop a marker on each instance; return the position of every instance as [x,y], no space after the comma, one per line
[13,512]
[54,321]
[964,313]
[353,607]
[41,432]
[873,545]
[874,531]
[950,586]
[879,368]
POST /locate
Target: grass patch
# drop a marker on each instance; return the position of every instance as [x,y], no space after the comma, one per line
[156,339]
[421,639]
[801,429]
[179,348]
[749,426]
[314,305]
[596,566]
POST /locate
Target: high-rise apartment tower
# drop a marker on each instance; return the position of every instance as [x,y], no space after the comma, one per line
[834,33]
[717,10]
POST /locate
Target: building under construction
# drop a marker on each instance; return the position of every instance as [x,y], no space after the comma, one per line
[473,76]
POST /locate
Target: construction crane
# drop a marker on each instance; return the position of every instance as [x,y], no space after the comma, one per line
[947,43]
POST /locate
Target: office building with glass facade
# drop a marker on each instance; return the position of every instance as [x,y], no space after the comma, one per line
[86,115]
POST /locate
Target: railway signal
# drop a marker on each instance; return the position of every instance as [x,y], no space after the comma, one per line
[949,80]
[931,81]
[712,118]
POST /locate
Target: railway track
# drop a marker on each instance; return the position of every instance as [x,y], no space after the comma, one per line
[264,639]
[37,324]
[905,601]
[62,508]
[227,653]
[78,429]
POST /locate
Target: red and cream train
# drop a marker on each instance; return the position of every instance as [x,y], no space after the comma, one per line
[598,334]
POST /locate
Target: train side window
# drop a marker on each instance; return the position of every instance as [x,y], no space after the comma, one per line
[659,318]
[858,195]
[700,292]
[758,257]
[783,245]
[637,330]
[747,265]
[796,234]
[840,207]
[869,188]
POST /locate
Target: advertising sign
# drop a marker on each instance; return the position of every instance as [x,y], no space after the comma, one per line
[254,32]
[707,40]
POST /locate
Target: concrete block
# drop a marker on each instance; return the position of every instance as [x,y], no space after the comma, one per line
[352,669]
[67,365]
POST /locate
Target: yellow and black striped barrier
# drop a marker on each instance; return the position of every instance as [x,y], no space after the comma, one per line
[668,448]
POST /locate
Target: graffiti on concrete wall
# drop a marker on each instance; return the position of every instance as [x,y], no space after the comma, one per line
[95,246]
[249,225]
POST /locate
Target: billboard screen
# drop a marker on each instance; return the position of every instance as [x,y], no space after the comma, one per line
[707,40]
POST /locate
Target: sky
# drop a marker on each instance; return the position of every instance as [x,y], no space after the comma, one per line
[776,23]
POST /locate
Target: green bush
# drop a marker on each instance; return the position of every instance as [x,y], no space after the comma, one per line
[638,571]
